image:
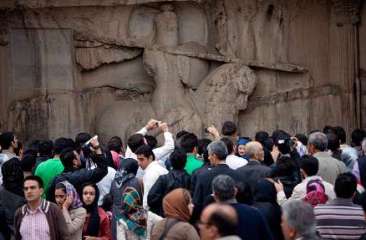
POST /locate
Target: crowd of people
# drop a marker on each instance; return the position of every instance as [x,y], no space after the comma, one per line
[270,187]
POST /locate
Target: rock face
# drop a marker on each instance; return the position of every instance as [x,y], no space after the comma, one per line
[106,67]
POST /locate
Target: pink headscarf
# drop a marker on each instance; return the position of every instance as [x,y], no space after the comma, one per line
[116,159]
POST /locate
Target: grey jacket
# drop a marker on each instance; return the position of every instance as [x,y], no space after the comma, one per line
[329,167]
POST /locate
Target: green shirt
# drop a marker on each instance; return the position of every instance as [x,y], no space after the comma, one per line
[192,164]
[47,171]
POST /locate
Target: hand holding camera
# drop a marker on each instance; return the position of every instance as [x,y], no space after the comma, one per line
[164,127]
[151,124]
[213,131]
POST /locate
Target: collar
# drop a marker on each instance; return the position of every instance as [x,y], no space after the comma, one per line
[9,154]
[43,207]
[315,177]
[152,165]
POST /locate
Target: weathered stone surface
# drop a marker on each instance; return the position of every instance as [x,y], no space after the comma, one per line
[71,65]
[93,57]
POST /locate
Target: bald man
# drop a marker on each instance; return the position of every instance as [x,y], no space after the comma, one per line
[218,221]
[255,169]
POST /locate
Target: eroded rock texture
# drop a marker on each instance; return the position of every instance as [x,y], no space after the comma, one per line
[109,66]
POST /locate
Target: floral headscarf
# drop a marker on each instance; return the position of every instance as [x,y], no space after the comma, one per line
[70,190]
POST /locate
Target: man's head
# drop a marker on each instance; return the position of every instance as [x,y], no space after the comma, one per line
[318,142]
[341,134]
[189,142]
[223,188]
[254,150]
[145,156]
[261,136]
[8,140]
[33,188]
[217,152]
[297,220]
[333,142]
[345,185]
[115,144]
[81,138]
[218,220]
[229,129]
[309,165]
[202,148]
[46,148]
[70,159]
[178,159]
[61,144]
[357,136]
[135,141]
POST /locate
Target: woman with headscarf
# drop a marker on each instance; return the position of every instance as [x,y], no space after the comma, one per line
[97,224]
[11,193]
[265,200]
[177,206]
[68,200]
[130,220]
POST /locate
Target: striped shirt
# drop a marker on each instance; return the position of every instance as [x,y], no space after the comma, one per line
[340,219]
[34,225]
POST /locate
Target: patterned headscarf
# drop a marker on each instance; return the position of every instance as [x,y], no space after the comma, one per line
[70,190]
[315,193]
[133,213]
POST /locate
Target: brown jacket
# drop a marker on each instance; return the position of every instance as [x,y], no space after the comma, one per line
[55,219]
[180,231]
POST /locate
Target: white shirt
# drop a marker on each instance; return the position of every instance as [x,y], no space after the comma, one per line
[299,191]
[235,162]
[161,153]
[153,171]
[104,185]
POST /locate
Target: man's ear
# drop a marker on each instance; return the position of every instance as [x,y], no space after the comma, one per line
[42,191]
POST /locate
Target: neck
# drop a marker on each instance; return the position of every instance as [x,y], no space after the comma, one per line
[56,156]
[11,150]
[34,204]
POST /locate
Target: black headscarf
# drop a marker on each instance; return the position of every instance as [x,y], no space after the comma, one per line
[92,209]
[13,176]
[126,171]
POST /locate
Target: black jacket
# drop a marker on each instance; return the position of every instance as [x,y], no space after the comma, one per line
[80,176]
[252,172]
[265,196]
[196,173]
[166,183]
[203,189]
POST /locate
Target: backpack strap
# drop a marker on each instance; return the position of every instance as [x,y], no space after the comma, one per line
[170,222]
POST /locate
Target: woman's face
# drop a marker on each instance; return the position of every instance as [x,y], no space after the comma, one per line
[88,195]
[60,197]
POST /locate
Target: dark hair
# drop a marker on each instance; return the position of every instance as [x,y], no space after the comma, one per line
[178,159]
[285,166]
[188,142]
[357,136]
[151,141]
[333,142]
[115,144]
[302,138]
[60,144]
[28,162]
[345,185]
[34,178]
[228,128]
[279,134]
[181,134]
[244,194]
[268,144]
[94,222]
[20,147]
[5,140]
[146,151]
[107,202]
[328,129]
[202,148]
[33,146]
[135,141]
[229,144]
[82,138]
[261,136]
[45,148]
[341,133]
[224,223]
[309,164]
[67,156]
[60,186]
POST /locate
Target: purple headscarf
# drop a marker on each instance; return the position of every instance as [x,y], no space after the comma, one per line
[70,190]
